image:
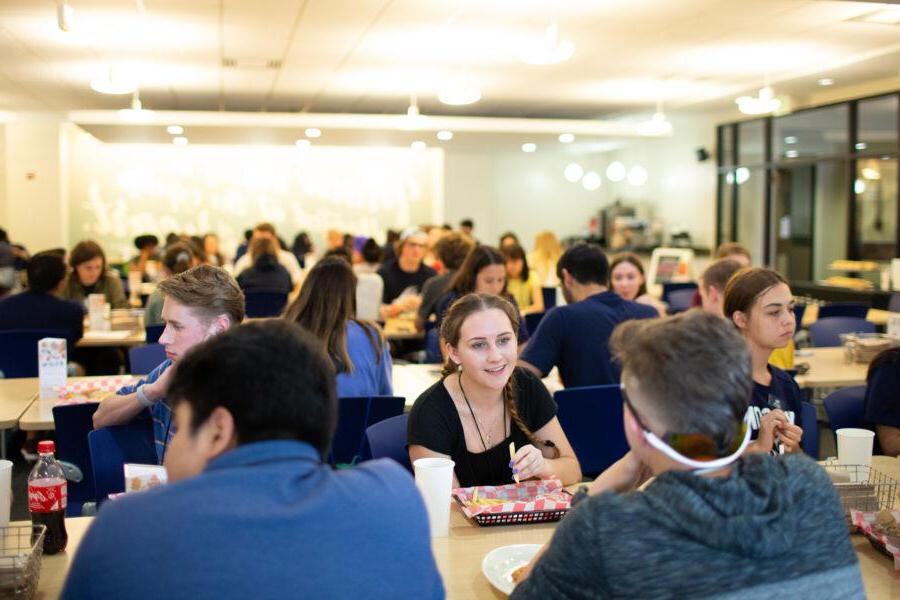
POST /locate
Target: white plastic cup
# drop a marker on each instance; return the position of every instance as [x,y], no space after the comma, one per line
[434,478]
[854,447]
[5,491]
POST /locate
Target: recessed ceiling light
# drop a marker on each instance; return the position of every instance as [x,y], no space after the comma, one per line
[616,171]
[826,81]
[113,83]
[764,102]
[591,181]
[312,132]
[303,144]
[573,172]
[180,141]
[860,146]
[792,154]
[418,145]
[566,138]
[445,136]
[551,49]
[790,139]
[637,175]
[529,147]
[460,95]
[174,129]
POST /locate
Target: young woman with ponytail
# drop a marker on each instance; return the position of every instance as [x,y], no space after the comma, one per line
[483,402]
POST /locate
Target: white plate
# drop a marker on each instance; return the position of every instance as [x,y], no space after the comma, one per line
[499,563]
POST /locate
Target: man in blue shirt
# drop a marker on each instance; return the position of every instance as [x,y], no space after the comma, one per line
[199,303]
[251,511]
[575,337]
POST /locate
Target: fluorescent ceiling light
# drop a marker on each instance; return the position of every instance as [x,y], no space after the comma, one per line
[445,135]
[113,83]
[418,145]
[790,139]
[741,175]
[303,144]
[65,16]
[529,147]
[591,181]
[460,95]
[313,132]
[826,81]
[764,102]
[616,171]
[870,173]
[137,112]
[566,138]
[180,141]
[573,172]
[860,146]
[550,50]
[174,129]
[657,125]
[637,175]
[791,154]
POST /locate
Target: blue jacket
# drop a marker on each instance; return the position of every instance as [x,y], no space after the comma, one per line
[265,520]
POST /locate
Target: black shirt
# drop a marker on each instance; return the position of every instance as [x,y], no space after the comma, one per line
[434,423]
[266,274]
[782,393]
[396,279]
[29,310]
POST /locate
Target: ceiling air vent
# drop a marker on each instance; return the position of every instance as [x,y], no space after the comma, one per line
[251,63]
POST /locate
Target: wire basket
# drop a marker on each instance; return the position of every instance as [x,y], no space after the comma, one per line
[519,518]
[21,548]
[862,488]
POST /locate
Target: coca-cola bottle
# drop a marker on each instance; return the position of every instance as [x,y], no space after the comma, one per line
[47,492]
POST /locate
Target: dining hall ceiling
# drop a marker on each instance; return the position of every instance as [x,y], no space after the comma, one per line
[369,56]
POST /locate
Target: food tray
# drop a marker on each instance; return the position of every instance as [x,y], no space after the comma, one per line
[863,347]
[886,543]
[862,488]
[541,501]
[92,390]
[21,548]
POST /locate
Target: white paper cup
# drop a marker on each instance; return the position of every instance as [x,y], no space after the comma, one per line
[434,478]
[5,491]
[854,447]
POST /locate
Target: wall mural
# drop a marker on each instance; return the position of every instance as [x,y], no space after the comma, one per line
[119,191]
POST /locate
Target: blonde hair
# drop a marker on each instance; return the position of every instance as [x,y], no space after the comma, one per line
[209,290]
[547,251]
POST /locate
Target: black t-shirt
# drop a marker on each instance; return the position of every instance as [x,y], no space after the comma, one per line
[434,423]
[882,402]
[396,279]
[781,393]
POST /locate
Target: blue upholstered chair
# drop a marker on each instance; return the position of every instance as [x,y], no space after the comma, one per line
[387,439]
[591,416]
[827,332]
[143,359]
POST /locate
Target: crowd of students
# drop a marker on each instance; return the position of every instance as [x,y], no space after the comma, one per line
[243,416]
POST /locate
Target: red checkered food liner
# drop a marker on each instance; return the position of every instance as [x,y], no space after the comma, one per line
[83,391]
[527,496]
[865,521]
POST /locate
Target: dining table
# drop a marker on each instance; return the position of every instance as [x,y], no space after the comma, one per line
[459,555]
[38,414]
[829,368]
[16,395]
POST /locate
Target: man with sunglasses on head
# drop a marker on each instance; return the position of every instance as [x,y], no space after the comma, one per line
[715,521]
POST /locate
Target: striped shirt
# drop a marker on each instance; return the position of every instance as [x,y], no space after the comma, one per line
[163,428]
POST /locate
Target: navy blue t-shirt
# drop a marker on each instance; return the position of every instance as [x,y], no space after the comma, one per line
[882,403]
[30,310]
[782,392]
[575,338]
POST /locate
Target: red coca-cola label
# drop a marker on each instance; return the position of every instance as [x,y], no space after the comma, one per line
[47,497]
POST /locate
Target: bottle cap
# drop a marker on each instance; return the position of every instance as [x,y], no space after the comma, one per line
[46,447]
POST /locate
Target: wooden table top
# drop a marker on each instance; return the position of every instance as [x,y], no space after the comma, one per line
[829,368]
[16,395]
[38,415]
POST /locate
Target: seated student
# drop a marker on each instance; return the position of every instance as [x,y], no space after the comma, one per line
[574,337]
[484,402]
[199,303]
[285,259]
[521,282]
[509,239]
[483,272]
[405,275]
[882,403]
[147,252]
[712,284]
[38,307]
[211,254]
[251,511]
[325,307]
[90,276]
[627,279]
[266,272]
[735,251]
[760,304]
[451,250]
[179,257]
[715,522]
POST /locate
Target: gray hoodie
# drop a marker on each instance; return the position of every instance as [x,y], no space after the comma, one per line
[772,528]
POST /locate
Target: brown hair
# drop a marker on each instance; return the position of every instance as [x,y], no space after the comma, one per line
[84,251]
[693,368]
[730,249]
[746,286]
[327,302]
[260,246]
[515,252]
[209,290]
[452,249]
[479,257]
[633,260]
[180,256]
[265,227]
[718,273]
[451,326]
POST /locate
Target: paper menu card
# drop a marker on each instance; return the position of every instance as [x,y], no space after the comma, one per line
[51,366]
[143,477]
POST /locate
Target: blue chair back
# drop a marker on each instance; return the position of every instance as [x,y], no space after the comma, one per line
[549,296]
[681,300]
[846,407]
[826,332]
[73,423]
[799,311]
[810,441]
[153,332]
[592,419]
[143,359]
[355,415]
[112,447]
[532,320]
[387,439]
[264,303]
[857,310]
[19,350]
[670,287]
[432,345]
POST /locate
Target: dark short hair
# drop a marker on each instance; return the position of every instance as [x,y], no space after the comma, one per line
[467,223]
[142,241]
[452,249]
[587,263]
[516,252]
[718,273]
[371,251]
[339,252]
[270,375]
[45,270]
[694,369]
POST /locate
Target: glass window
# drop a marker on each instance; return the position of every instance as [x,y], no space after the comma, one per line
[877,123]
[818,132]
[830,221]
[726,218]
[876,208]
[751,143]
[726,148]
[751,190]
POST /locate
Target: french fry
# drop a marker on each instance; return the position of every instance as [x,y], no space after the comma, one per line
[512,456]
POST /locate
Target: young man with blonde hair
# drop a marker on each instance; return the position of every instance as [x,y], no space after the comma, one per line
[199,303]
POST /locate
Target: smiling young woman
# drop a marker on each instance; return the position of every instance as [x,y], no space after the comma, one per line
[484,402]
